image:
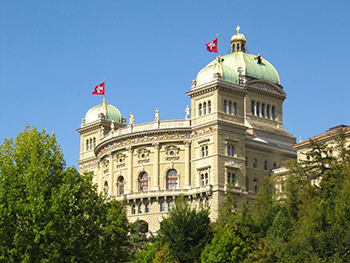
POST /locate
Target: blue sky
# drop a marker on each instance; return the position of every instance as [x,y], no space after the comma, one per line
[53,53]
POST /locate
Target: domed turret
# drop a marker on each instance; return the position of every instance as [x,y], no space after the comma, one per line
[238,64]
[104,111]
[216,70]
[238,41]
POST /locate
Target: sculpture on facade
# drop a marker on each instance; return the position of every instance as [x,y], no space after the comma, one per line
[157,119]
[188,113]
[131,120]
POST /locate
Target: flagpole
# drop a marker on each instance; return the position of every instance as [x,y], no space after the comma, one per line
[217,50]
[104,95]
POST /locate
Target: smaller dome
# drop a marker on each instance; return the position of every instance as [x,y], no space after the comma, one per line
[238,36]
[110,113]
[208,73]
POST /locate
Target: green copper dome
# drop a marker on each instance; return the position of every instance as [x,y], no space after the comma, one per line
[207,74]
[239,63]
[110,112]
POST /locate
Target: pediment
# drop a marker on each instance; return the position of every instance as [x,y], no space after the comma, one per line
[266,86]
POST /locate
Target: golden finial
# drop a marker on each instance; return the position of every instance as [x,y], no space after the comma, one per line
[238,28]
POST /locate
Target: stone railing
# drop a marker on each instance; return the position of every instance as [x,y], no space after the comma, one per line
[148,127]
[164,193]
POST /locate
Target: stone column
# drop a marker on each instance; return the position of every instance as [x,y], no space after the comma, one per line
[111,189]
[130,171]
[156,167]
[100,176]
[187,164]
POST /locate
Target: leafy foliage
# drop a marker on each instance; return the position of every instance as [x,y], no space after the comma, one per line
[52,214]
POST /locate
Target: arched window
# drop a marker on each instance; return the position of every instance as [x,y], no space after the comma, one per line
[255,163]
[91,144]
[162,206]
[105,188]
[230,107]
[209,106]
[252,108]
[257,109]
[94,142]
[235,108]
[204,108]
[206,150]
[200,109]
[225,106]
[172,179]
[87,145]
[265,165]
[268,111]
[273,112]
[120,185]
[238,47]
[147,207]
[143,182]
[263,110]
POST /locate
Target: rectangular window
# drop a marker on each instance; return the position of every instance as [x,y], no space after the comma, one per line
[255,163]
[230,178]
[265,165]
[230,150]
[225,106]
[162,206]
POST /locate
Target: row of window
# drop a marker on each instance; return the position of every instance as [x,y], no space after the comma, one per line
[145,208]
[263,110]
[255,164]
[90,144]
[204,108]
[172,182]
[230,107]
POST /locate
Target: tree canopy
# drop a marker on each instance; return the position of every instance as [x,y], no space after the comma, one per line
[50,213]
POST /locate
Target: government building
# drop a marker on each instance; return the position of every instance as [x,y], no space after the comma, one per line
[231,137]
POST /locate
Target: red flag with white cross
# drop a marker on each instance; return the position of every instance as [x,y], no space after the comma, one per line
[99,89]
[212,46]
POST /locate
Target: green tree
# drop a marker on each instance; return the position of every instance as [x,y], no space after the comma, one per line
[185,231]
[226,246]
[49,213]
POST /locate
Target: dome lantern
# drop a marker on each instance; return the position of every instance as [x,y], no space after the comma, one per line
[238,42]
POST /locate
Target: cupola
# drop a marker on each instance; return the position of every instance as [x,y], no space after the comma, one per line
[238,42]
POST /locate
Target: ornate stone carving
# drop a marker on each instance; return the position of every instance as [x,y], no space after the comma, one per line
[131,120]
[143,155]
[156,117]
[120,160]
[156,145]
[105,165]
[188,113]
[172,152]
[265,86]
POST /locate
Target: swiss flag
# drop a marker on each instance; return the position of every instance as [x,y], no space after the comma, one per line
[212,46]
[99,89]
